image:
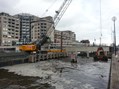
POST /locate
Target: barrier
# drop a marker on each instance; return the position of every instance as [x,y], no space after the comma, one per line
[39,57]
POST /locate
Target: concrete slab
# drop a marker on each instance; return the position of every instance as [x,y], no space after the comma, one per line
[115,73]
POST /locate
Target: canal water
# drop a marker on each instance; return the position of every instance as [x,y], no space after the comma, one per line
[56,74]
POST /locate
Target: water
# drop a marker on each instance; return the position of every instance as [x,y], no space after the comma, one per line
[56,74]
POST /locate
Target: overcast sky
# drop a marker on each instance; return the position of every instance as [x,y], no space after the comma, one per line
[82,16]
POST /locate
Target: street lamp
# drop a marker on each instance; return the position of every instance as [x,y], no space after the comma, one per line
[114,19]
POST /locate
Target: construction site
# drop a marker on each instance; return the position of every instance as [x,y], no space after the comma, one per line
[41,57]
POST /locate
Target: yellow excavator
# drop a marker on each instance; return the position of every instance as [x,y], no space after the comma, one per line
[36,46]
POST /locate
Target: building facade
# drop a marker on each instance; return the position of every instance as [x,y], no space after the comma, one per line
[9,29]
[25,27]
[42,27]
[68,37]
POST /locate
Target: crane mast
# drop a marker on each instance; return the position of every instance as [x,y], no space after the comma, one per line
[58,15]
[61,11]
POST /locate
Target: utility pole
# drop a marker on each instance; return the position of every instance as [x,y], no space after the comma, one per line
[114,19]
[100,23]
[61,40]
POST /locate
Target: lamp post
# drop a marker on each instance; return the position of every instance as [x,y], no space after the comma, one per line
[114,19]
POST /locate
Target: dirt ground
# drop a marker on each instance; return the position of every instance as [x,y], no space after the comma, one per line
[9,80]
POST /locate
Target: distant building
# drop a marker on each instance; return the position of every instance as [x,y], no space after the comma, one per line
[85,42]
[25,26]
[71,35]
[9,29]
[42,27]
[68,37]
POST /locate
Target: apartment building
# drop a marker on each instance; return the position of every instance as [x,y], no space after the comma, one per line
[25,26]
[9,29]
[67,37]
[41,27]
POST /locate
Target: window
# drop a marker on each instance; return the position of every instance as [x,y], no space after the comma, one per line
[17,31]
[9,33]
[41,26]
[9,19]
[17,24]
[5,18]
[44,26]
[43,23]
[13,20]
[5,36]
[17,27]
[5,21]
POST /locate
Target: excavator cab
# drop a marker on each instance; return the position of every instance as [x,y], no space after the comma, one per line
[27,48]
[35,46]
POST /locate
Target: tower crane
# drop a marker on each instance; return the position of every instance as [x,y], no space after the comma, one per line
[35,46]
[61,11]
[58,16]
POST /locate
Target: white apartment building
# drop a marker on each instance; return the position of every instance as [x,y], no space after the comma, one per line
[41,27]
[29,28]
[9,29]
[25,26]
